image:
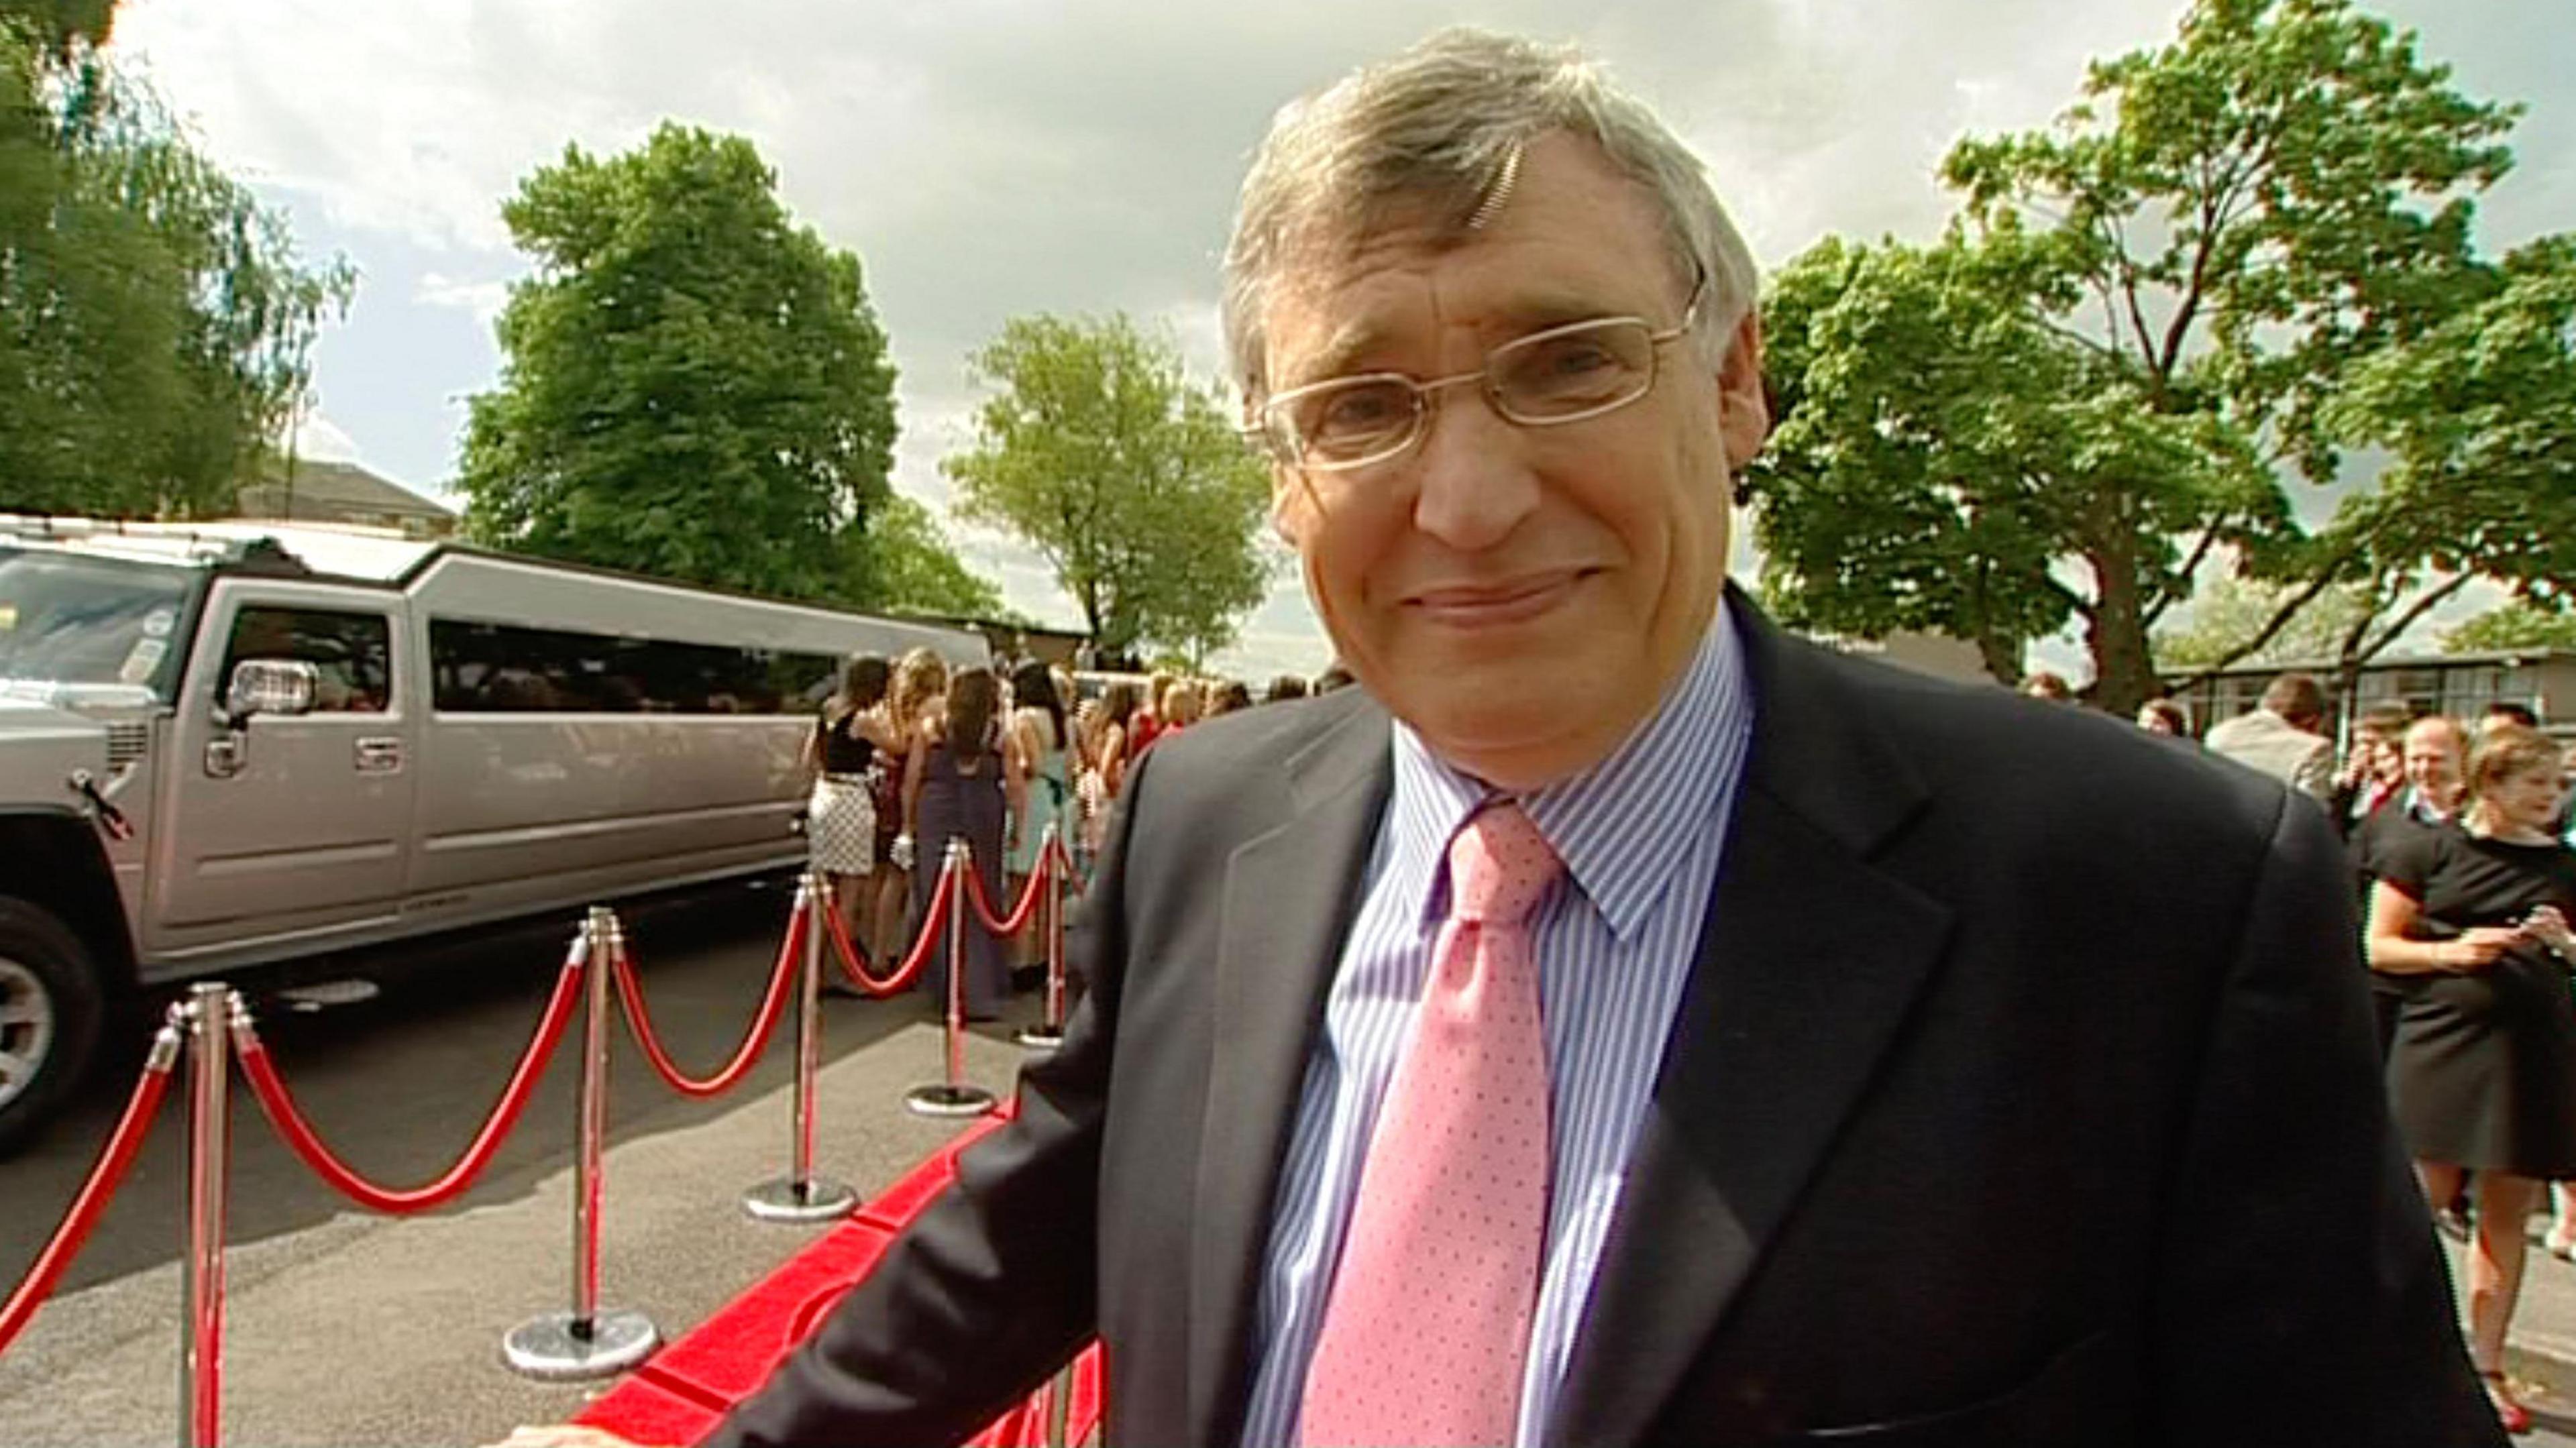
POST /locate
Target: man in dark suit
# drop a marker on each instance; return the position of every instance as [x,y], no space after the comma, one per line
[1921,1065]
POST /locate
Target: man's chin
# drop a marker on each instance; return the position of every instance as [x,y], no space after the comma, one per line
[1495,736]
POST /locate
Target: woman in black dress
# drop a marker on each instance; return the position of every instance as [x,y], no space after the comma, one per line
[2470,920]
[846,755]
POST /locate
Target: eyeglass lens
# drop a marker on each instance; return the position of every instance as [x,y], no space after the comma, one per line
[1556,376]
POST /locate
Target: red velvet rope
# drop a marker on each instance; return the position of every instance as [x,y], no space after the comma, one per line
[855,966]
[639,1021]
[87,1206]
[1020,912]
[299,1133]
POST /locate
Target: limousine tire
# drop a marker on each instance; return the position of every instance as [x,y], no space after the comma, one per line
[50,1009]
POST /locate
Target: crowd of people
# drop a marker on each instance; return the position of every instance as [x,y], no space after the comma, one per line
[908,755]
[2464,862]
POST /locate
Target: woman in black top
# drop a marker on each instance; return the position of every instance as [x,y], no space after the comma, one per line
[2471,921]
[846,757]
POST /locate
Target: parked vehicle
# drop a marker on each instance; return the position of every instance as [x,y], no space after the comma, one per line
[228,745]
[1093,683]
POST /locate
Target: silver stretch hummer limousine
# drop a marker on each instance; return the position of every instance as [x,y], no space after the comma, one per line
[228,745]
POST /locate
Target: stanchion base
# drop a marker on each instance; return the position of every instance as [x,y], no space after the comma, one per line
[1039,1038]
[548,1349]
[816,1199]
[946,1100]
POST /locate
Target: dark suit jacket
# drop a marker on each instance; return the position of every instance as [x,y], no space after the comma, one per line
[2024,1094]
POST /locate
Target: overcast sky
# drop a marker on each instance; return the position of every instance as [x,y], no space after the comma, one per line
[987,158]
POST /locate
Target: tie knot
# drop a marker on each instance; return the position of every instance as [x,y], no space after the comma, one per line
[1499,865]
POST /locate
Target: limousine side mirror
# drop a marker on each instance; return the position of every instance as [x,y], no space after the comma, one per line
[258,686]
[269,686]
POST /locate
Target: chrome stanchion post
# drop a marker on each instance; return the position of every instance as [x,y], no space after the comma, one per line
[1049,1034]
[800,1196]
[587,1342]
[953,1097]
[205,1017]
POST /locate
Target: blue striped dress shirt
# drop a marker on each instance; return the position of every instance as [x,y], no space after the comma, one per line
[1640,835]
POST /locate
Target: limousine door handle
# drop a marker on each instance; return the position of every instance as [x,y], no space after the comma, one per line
[379,755]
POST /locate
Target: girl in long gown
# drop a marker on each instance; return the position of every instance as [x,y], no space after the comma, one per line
[953,790]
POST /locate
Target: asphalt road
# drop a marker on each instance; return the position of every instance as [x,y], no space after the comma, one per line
[2553,1410]
[347,1327]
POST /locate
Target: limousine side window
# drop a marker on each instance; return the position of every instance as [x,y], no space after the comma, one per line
[351,653]
[487,668]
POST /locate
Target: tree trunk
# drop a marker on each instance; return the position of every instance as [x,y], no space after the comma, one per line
[1999,651]
[2001,656]
[2124,672]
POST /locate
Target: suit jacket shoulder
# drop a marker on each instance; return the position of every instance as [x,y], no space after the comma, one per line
[2071,994]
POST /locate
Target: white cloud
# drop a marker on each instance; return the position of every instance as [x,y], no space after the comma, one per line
[483,300]
[413,119]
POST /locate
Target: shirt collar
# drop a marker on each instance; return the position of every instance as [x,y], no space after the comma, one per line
[2422,808]
[1623,826]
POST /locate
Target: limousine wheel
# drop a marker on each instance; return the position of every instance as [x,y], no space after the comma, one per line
[49,1016]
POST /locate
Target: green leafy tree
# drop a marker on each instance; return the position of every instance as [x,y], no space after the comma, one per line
[61,30]
[156,324]
[2218,232]
[692,386]
[2479,416]
[908,566]
[2478,412]
[2520,624]
[1125,476]
[1947,462]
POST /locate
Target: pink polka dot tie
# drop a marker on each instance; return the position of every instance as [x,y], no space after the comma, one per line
[1427,1328]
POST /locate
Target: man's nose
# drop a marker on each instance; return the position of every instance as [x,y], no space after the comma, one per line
[1472,477]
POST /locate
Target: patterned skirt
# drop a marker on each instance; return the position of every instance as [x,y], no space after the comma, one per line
[841,826]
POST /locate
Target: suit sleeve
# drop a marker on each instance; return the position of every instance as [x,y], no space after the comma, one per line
[994,1287]
[2295,1248]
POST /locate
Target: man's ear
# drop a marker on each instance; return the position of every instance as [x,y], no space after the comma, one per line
[1743,412]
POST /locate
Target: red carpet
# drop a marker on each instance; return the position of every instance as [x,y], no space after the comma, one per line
[680,1393]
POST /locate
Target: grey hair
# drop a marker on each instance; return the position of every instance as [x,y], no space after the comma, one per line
[1434,132]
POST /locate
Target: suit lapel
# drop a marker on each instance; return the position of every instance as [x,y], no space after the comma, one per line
[1809,963]
[1290,896]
